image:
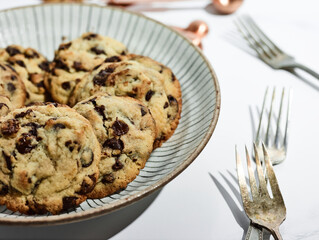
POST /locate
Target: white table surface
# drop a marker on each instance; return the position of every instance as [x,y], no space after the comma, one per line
[202,202]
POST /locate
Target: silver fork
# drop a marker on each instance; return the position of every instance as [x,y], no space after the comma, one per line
[261,209]
[277,146]
[266,49]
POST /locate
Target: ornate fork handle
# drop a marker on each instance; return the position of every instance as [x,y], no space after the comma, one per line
[306,69]
[254,233]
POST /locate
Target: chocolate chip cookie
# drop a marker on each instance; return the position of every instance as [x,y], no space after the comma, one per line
[31,67]
[49,158]
[11,86]
[73,59]
[126,130]
[141,78]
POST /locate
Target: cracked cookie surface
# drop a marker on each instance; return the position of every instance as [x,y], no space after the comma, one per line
[126,131]
[49,159]
[141,78]
[75,58]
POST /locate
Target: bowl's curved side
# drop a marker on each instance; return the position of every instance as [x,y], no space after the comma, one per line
[198,75]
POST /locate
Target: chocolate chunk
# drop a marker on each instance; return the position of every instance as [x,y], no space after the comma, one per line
[31,54]
[113,59]
[90,101]
[23,114]
[10,127]
[65,46]
[20,63]
[165,105]
[4,189]
[78,66]
[11,87]
[115,144]
[149,94]
[66,85]
[68,145]
[97,66]
[34,128]
[87,157]
[13,77]
[102,76]
[120,128]
[108,178]
[2,67]
[58,126]
[117,165]
[172,100]
[90,36]
[36,185]
[97,51]
[87,187]
[162,68]
[3,104]
[45,66]
[12,51]
[124,52]
[69,202]
[40,84]
[9,66]
[8,160]
[143,112]
[61,65]
[173,77]
[24,143]
[132,95]
[100,110]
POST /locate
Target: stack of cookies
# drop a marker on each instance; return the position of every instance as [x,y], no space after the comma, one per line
[81,126]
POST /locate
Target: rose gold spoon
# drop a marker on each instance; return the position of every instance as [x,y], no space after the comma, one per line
[195,31]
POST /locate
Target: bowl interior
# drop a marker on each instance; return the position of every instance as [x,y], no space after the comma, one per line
[43,27]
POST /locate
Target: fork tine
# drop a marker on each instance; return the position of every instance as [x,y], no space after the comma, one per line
[263,35]
[242,180]
[267,139]
[278,119]
[261,177]
[250,39]
[271,176]
[252,180]
[255,33]
[261,117]
[288,119]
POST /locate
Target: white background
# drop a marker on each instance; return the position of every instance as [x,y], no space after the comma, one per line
[202,202]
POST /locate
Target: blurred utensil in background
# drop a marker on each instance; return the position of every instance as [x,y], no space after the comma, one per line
[195,31]
[221,6]
[277,143]
[266,49]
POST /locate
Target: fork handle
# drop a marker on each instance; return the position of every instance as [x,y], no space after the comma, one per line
[306,69]
[254,233]
[276,234]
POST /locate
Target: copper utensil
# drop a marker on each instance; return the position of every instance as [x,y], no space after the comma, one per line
[221,6]
[195,31]
[261,209]
[227,6]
